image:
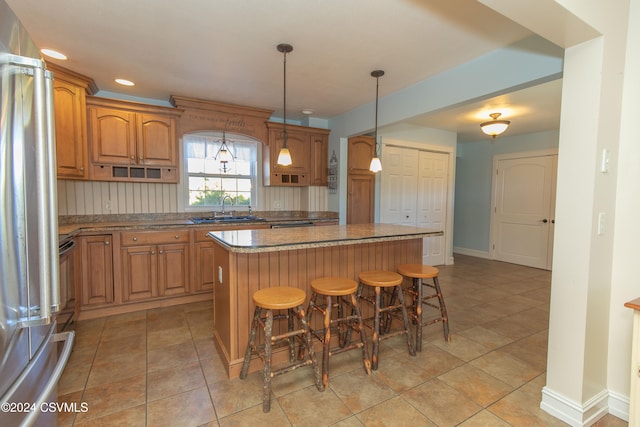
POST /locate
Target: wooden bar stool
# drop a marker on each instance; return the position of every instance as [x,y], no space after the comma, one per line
[334,291]
[392,281]
[268,300]
[418,273]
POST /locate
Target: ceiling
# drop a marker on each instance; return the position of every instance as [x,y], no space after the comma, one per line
[226,51]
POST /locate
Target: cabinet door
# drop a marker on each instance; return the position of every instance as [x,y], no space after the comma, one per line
[156,144]
[319,160]
[360,151]
[203,267]
[113,136]
[139,272]
[298,143]
[71,130]
[173,271]
[97,270]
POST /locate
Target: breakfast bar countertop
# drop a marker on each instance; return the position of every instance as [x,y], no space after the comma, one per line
[268,240]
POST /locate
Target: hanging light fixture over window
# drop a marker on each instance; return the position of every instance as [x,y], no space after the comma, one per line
[494,127]
[224,154]
[284,156]
[375,165]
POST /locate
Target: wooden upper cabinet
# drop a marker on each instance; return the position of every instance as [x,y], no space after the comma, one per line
[69,103]
[319,159]
[113,136]
[156,144]
[307,146]
[359,154]
[132,142]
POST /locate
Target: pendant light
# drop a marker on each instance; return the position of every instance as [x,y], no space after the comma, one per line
[224,154]
[494,127]
[284,156]
[375,165]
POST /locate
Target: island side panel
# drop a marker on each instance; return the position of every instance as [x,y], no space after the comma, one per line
[297,268]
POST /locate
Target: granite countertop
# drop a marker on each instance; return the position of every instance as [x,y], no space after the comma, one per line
[72,225]
[269,240]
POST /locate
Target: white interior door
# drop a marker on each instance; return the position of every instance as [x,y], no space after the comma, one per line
[399,186]
[432,203]
[414,187]
[524,193]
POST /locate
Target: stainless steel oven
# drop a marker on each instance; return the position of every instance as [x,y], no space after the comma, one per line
[67,313]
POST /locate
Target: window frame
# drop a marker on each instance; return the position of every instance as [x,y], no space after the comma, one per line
[231,140]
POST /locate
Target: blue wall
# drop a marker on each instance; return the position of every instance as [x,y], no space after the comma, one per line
[474,173]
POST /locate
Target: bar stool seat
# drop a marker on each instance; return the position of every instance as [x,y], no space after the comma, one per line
[335,290]
[279,298]
[379,279]
[418,273]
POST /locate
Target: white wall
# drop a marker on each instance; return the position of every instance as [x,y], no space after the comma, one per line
[588,365]
[474,175]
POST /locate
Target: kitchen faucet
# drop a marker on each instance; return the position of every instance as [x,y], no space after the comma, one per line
[223,199]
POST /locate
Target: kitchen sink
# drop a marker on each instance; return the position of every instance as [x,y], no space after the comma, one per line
[226,218]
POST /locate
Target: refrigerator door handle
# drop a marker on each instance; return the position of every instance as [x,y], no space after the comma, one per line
[68,338]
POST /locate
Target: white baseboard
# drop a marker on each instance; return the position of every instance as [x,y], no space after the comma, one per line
[471,252]
[619,405]
[587,414]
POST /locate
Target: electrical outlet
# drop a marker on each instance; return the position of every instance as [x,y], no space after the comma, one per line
[277,205]
[107,206]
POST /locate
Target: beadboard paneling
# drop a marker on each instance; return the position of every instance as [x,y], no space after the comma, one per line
[100,197]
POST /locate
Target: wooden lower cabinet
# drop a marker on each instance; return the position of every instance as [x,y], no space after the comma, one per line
[96,254]
[202,261]
[154,270]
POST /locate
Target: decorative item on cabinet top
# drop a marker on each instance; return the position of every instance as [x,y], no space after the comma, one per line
[309,149]
[129,141]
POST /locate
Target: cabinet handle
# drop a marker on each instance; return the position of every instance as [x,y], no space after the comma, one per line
[133,157]
[140,158]
[135,239]
[106,242]
[82,169]
[153,252]
[160,252]
[177,236]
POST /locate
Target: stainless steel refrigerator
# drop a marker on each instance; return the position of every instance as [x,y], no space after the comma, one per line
[32,354]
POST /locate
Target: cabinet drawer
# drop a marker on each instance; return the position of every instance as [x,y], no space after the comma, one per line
[136,238]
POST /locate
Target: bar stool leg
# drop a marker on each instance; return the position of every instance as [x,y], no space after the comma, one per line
[443,310]
[376,330]
[365,352]
[417,287]
[405,318]
[252,343]
[326,343]
[266,387]
[312,355]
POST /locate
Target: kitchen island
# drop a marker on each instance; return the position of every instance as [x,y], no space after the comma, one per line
[248,260]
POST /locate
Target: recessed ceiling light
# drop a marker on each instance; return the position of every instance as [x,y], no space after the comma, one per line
[307,111]
[125,82]
[54,54]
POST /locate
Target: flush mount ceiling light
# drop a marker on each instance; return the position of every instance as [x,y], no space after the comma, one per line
[125,82]
[54,54]
[224,154]
[494,127]
[284,156]
[375,165]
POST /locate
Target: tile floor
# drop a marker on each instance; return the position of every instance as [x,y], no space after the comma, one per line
[160,367]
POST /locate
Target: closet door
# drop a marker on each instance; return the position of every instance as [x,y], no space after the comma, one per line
[399,186]
[432,203]
[414,189]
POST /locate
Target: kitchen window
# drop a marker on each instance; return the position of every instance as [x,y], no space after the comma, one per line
[209,180]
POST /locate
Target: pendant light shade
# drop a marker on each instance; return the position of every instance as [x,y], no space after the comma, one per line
[224,154]
[284,156]
[375,165]
[494,127]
